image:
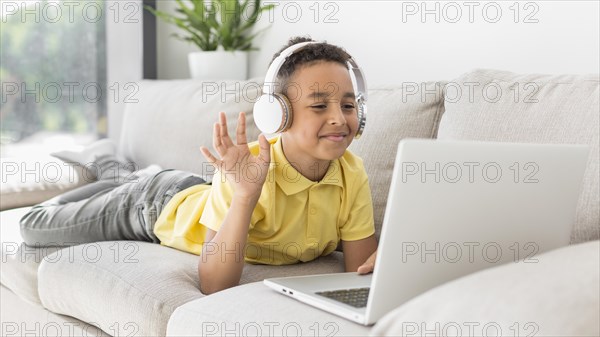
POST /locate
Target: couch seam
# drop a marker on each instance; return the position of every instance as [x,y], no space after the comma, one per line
[438,114]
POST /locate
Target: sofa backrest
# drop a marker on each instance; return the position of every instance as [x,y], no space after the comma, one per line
[172,119]
[395,112]
[491,105]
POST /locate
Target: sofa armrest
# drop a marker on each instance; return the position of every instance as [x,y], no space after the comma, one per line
[254,309]
[555,294]
[29,181]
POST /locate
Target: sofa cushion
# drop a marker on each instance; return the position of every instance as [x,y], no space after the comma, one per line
[20,262]
[28,181]
[556,296]
[170,119]
[395,112]
[21,318]
[135,286]
[491,105]
[234,313]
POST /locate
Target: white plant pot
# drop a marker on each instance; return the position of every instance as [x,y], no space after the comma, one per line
[218,65]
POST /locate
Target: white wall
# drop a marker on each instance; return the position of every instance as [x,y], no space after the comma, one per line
[394,45]
[124,56]
[172,53]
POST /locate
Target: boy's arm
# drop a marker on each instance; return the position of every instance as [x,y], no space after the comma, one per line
[359,249]
[357,252]
[222,259]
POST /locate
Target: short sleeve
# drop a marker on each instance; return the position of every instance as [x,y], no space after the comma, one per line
[218,203]
[360,223]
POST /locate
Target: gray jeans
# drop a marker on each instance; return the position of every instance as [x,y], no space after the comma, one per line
[119,206]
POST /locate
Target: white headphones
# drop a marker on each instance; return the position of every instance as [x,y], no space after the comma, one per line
[273,111]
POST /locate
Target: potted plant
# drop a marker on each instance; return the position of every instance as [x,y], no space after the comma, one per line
[222,31]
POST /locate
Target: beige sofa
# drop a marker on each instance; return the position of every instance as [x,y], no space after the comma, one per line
[144,289]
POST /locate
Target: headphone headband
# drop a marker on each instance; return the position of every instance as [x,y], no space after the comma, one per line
[269,85]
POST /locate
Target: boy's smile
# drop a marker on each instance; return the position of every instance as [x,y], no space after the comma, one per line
[324,117]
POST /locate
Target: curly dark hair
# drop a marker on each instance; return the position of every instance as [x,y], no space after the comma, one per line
[315,52]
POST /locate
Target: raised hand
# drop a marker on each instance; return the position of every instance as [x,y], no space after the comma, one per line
[245,172]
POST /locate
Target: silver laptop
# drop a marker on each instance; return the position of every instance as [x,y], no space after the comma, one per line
[455,207]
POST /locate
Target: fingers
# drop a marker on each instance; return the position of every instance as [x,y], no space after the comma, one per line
[209,156]
[217,140]
[369,265]
[366,268]
[222,142]
[265,148]
[224,134]
[221,139]
[241,130]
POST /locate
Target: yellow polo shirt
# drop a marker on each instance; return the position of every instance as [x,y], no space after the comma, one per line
[295,219]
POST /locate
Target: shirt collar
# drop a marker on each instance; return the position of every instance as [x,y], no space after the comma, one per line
[291,181]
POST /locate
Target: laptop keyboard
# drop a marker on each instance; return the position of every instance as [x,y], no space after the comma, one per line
[356,297]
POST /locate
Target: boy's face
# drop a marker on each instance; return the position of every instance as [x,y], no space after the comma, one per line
[324,112]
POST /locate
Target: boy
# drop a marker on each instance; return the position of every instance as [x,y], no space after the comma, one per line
[281,201]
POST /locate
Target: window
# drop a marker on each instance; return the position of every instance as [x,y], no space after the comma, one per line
[53,72]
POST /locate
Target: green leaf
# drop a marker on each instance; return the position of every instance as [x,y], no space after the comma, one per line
[199,7]
[224,23]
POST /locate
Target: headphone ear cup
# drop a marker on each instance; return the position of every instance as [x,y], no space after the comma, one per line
[362,119]
[288,112]
[272,113]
